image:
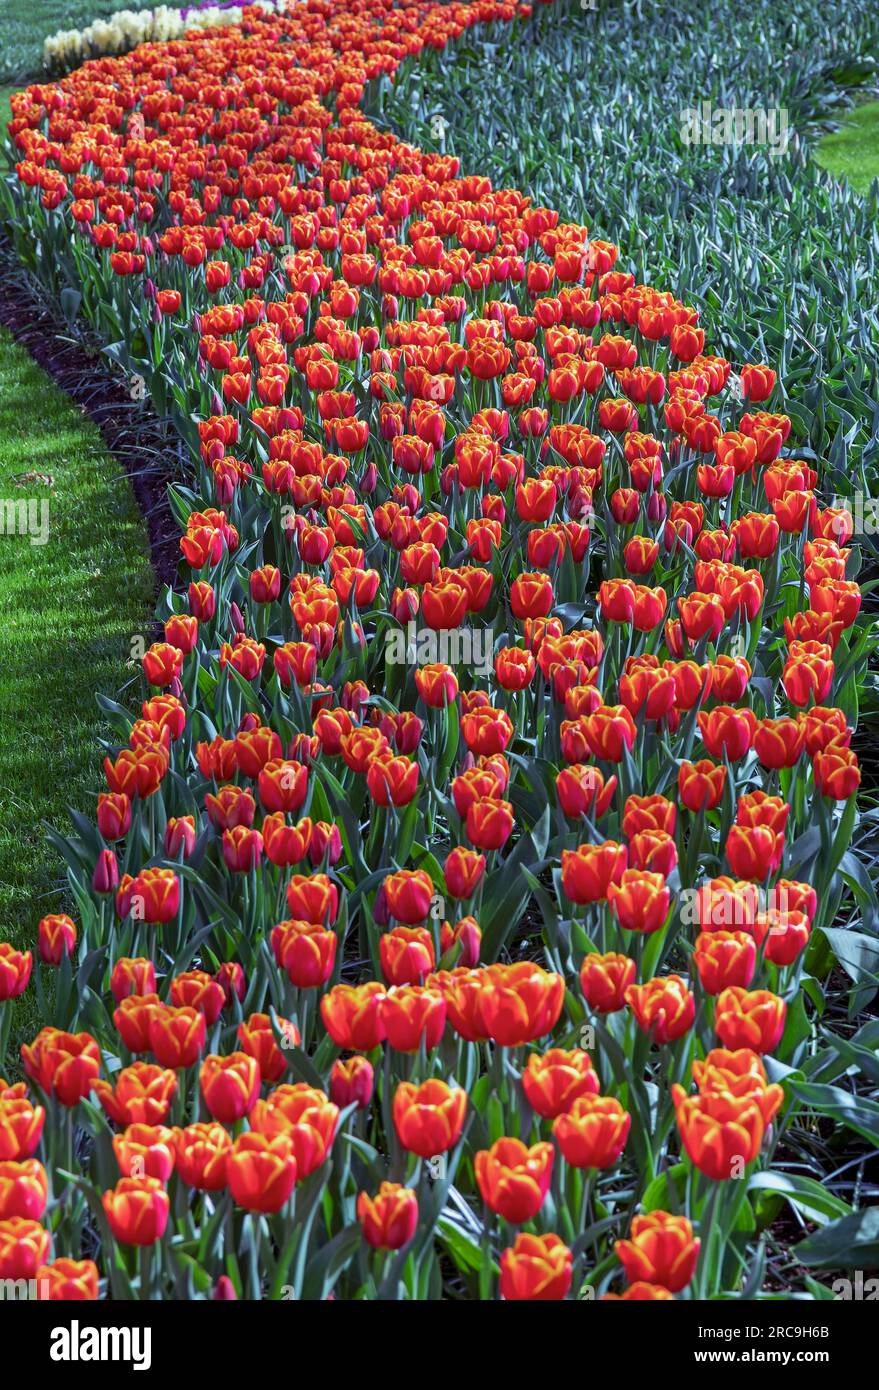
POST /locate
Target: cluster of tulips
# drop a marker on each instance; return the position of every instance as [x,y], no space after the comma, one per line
[391,972]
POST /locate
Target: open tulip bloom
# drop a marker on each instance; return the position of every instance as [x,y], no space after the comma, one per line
[456,893]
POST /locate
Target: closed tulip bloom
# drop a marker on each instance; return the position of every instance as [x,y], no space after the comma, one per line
[653,851]
[137,1210]
[142,1094]
[256,1038]
[785,936]
[15,971]
[753,851]
[463,872]
[392,781]
[721,1133]
[406,955]
[306,1116]
[589,871]
[132,975]
[582,791]
[151,896]
[313,898]
[24,1246]
[610,730]
[725,958]
[640,901]
[514,668]
[197,989]
[114,815]
[428,1118]
[486,730]
[514,1179]
[132,1020]
[64,1065]
[409,895]
[201,1154]
[728,731]
[701,784]
[306,950]
[740,1074]
[176,1036]
[465,934]
[436,684]
[412,1015]
[752,1019]
[352,1082]
[242,849]
[230,1085]
[837,773]
[24,1189]
[145,1151]
[179,837]
[519,1003]
[283,785]
[536,1269]
[553,1080]
[531,595]
[779,742]
[68,1281]
[663,1007]
[388,1220]
[261,1172]
[56,937]
[758,381]
[660,1250]
[21,1123]
[162,663]
[593,1133]
[648,813]
[489,823]
[352,1016]
[604,980]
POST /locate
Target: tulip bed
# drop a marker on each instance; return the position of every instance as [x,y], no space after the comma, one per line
[459,912]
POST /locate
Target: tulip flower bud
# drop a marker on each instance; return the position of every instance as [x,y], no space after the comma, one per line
[352,1082]
[105,878]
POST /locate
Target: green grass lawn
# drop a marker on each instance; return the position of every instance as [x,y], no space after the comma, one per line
[69,609]
[852,152]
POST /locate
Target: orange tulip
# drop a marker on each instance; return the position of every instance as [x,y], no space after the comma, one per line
[261,1171]
[536,1269]
[428,1118]
[24,1189]
[660,1250]
[593,1132]
[388,1220]
[137,1210]
[753,1019]
[519,1002]
[230,1085]
[306,1116]
[514,1179]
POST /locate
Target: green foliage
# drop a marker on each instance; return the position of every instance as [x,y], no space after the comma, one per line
[585,112]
